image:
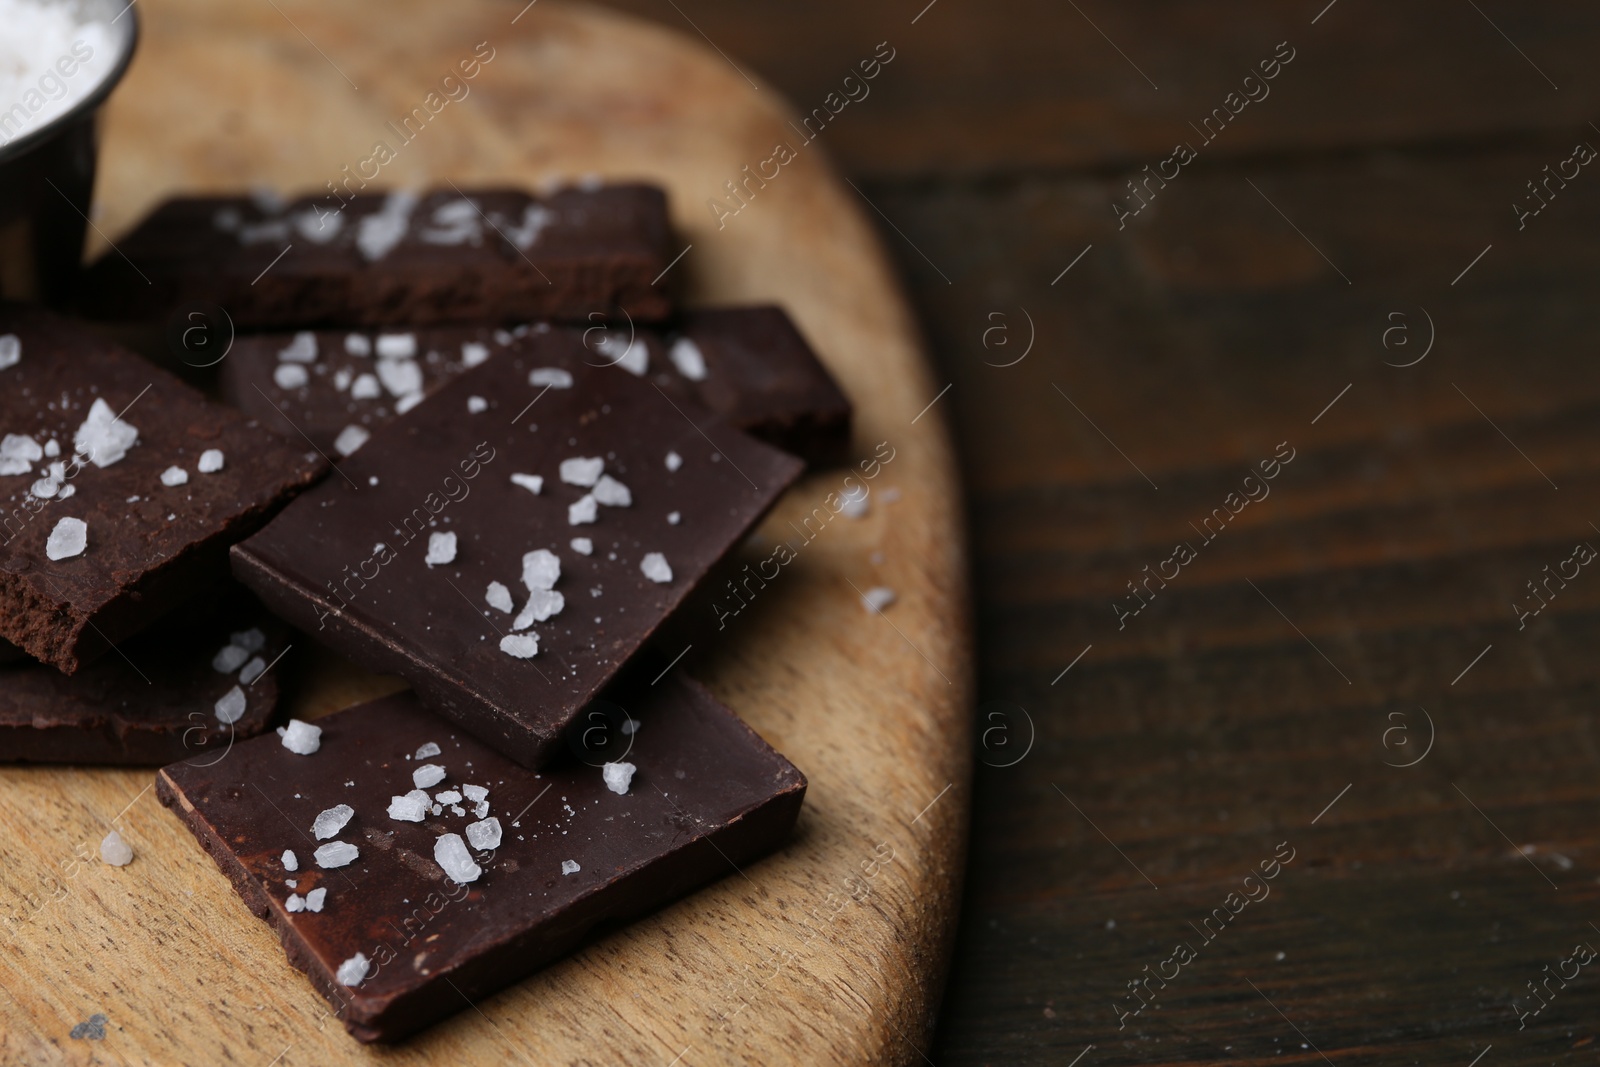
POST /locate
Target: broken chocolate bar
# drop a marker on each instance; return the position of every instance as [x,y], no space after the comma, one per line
[512,542]
[489,255]
[121,488]
[186,689]
[410,870]
[748,364]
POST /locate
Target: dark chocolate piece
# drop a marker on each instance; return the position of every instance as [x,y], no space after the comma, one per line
[347,562]
[488,255]
[708,797]
[758,372]
[164,698]
[70,407]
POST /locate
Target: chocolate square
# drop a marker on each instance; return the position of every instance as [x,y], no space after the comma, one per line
[348,561]
[707,797]
[69,398]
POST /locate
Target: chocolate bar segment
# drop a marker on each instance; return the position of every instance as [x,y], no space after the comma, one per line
[748,364]
[187,689]
[512,542]
[121,488]
[394,942]
[486,255]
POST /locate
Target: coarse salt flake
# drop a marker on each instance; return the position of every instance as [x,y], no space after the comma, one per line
[484,834]
[542,604]
[581,470]
[330,822]
[10,351]
[397,345]
[350,438]
[301,738]
[499,597]
[291,862]
[103,437]
[531,482]
[612,493]
[877,598]
[583,511]
[427,751]
[570,867]
[477,405]
[451,854]
[473,353]
[427,776]
[253,670]
[211,461]
[674,461]
[401,377]
[689,360]
[173,477]
[302,349]
[353,970]
[521,646]
[315,899]
[251,640]
[410,808]
[231,707]
[366,387]
[290,376]
[582,546]
[336,854]
[229,659]
[553,377]
[115,851]
[540,569]
[358,344]
[618,776]
[441,548]
[655,567]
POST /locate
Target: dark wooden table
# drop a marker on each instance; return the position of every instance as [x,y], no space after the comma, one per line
[1345,664]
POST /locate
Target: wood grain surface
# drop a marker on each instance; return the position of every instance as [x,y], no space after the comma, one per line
[827,952]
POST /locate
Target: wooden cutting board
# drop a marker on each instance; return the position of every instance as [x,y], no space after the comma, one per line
[833,950]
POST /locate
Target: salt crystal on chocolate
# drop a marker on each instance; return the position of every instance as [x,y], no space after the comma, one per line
[253,670]
[353,970]
[10,350]
[301,738]
[366,387]
[450,853]
[381,231]
[350,438]
[674,461]
[290,861]
[290,376]
[230,707]
[473,353]
[474,792]
[315,898]
[541,568]
[397,345]
[476,405]
[103,437]
[401,377]
[427,751]
[448,796]
[499,597]
[655,567]
[485,834]
[296,902]
[553,377]
[358,344]
[173,477]
[251,640]
[18,453]
[229,659]
[688,358]
[441,548]
[336,854]
[409,808]
[115,851]
[673,518]
[427,776]
[542,604]
[570,867]
[330,822]
[582,471]
[521,646]
[612,493]
[582,546]
[302,349]
[531,482]
[618,776]
[211,461]
[407,402]
[583,511]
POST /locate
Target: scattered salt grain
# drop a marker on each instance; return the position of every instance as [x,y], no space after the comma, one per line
[612,493]
[397,345]
[451,854]
[18,453]
[303,349]
[103,437]
[230,708]
[531,482]
[499,597]
[626,352]
[441,548]
[474,792]
[427,751]
[290,861]
[251,640]
[485,834]
[330,822]
[401,377]
[409,808]
[630,726]
[315,898]
[427,776]
[582,546]
[618,776]
[473,353]
[229,659]
[521,646]
[689,360]
[296,902]
[477,405]
[173,477]
[673,518]
[541,568]
[570,867]
[448,796]
[10,351]
[674,461]
[351,437]
[583,471]
[290,376]
[583,511]
[358,344]
[336,854]
[877,598]
[52,448]
[654,566]
[365,387]
[211,461]
[407,402]
[301,738]
[115,851]
[353,970]
[377,233]
[554,377]
[542,604]
[253,670]
[854,505]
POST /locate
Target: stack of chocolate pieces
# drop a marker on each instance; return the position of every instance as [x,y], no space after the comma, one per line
[469,441]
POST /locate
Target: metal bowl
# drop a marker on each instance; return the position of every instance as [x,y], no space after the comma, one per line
[47,178]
